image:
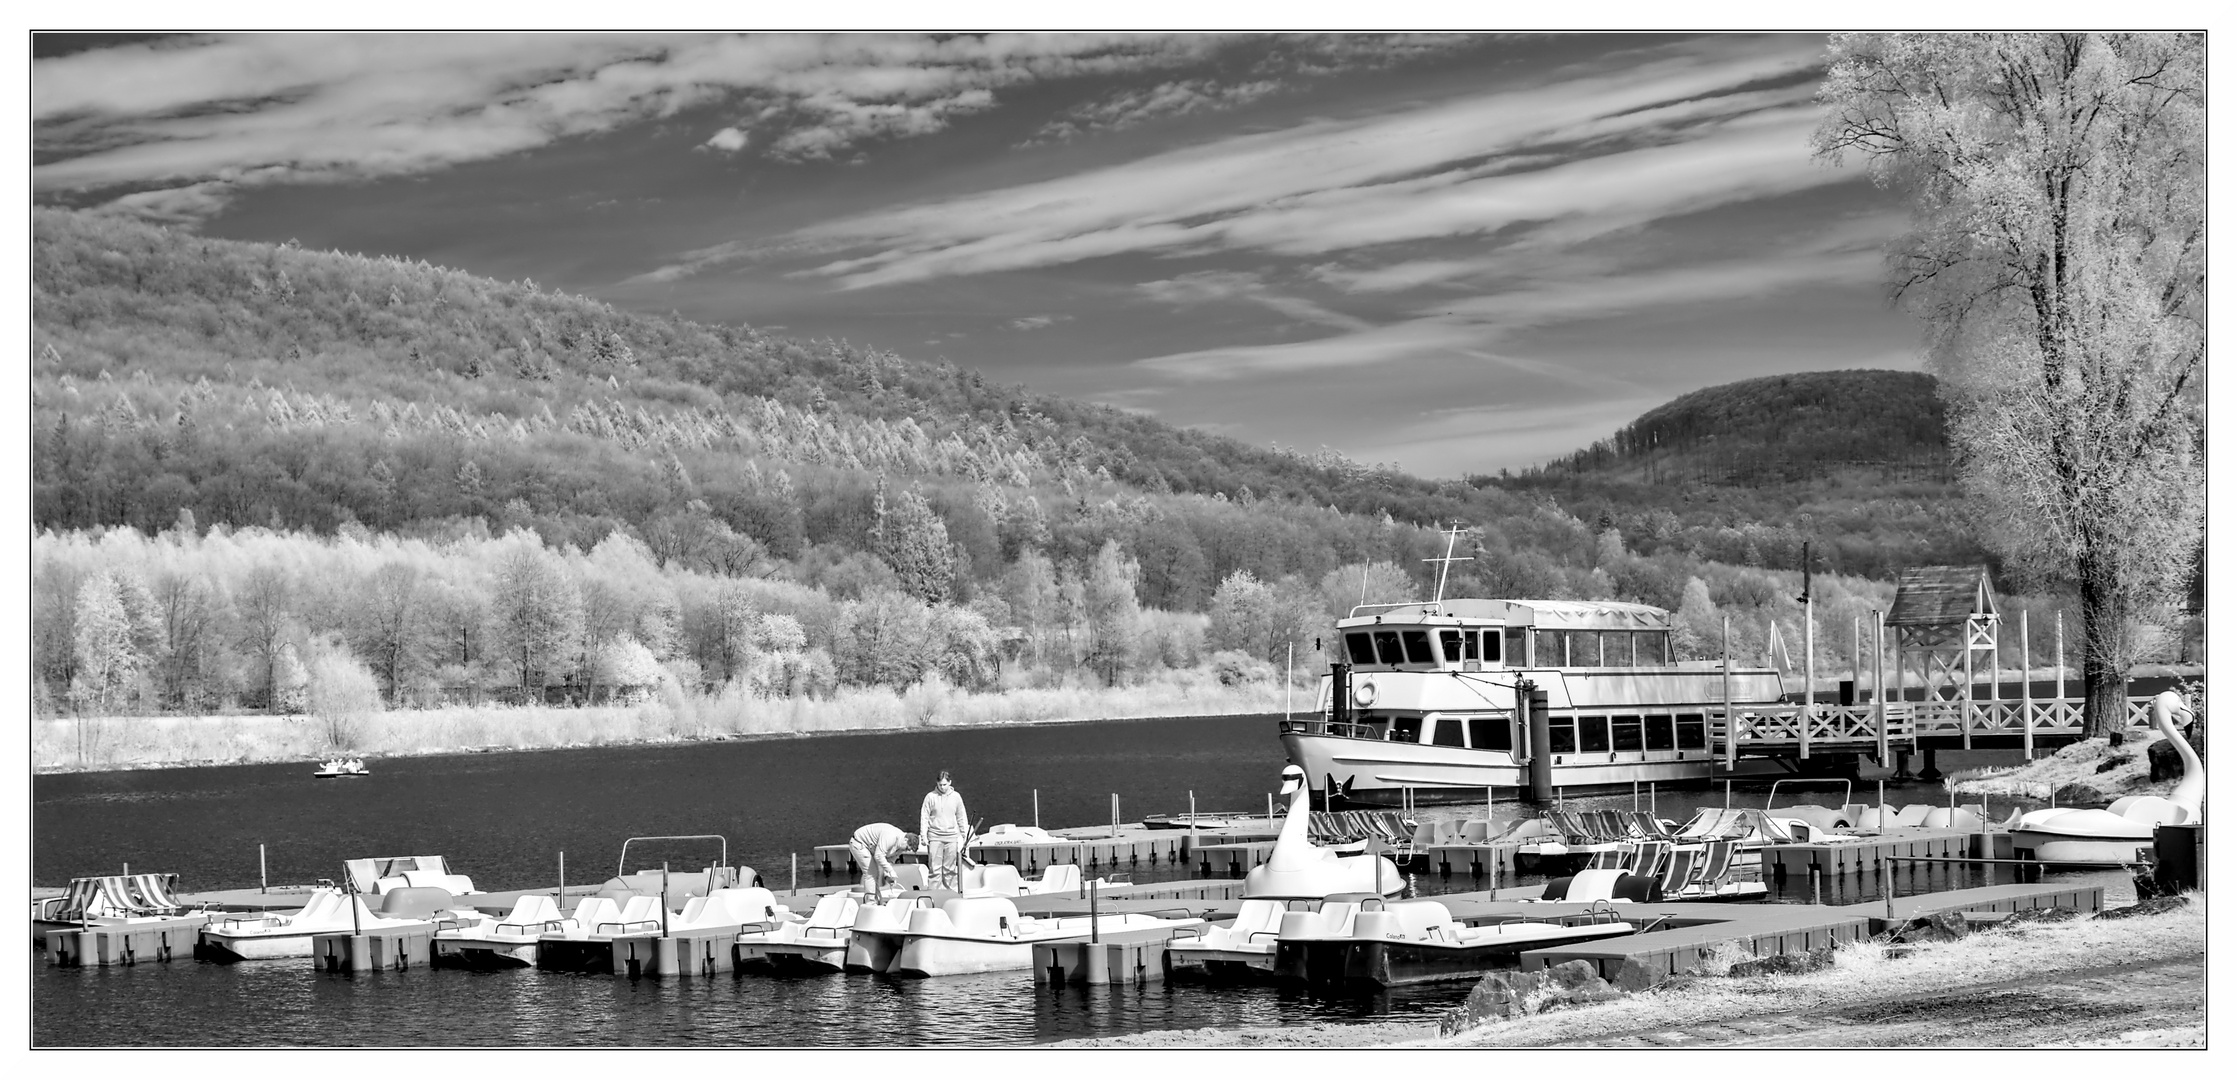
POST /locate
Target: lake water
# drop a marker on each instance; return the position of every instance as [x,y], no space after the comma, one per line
[505,818]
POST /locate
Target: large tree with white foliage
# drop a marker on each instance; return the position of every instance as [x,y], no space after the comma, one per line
[2057,259]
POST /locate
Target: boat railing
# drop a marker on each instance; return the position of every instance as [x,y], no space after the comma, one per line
[622,869]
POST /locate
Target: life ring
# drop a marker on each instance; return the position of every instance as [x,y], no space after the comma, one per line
[1363,693]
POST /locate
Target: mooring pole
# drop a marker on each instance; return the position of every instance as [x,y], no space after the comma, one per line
[1036,808]
[563,883]
[663,899]
[1731,722]
[1094,923]
[796,873]
[2027,695]
[263,881]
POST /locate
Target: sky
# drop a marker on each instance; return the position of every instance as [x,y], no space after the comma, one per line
[1451,253]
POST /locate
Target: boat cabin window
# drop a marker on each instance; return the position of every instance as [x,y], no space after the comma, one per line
[1490,733]
[1693,731]
[1386,648]
[1448,732]
[1660,736]
[1361,647]
[1601,648]
[1405,728]
[1517,641]
[1561,734]
[1370,727]
[1627,733]
[1592,734]
[1461,646]
[1449,642]
[1417,647]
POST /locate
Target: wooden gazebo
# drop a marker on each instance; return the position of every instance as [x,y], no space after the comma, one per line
[1945,624]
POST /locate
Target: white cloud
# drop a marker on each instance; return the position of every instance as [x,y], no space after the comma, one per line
[1430,171]
[239,109]
[1037,322]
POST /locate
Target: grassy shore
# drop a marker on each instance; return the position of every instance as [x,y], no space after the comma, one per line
[141,742]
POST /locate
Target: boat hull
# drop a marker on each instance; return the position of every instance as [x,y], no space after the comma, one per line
[924,956]
[872,951]
[1220,963]
[484,955]
[793,957]
[1369,772]
[233,948]
[1403,963]
[2061,850]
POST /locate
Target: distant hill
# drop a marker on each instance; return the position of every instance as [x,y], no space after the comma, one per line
[1783,428]
[1857,463]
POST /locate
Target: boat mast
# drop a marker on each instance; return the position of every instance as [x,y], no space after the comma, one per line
[1444,568]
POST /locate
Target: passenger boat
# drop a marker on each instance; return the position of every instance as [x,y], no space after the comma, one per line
[1434,701]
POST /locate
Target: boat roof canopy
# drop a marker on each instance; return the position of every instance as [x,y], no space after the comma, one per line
[1542,614]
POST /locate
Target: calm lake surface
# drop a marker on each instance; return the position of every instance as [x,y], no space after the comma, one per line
[505,818]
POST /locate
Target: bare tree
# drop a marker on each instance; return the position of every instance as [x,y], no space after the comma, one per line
[2058,261]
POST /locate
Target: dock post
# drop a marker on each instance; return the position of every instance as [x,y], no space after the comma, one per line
[1114,815]
[1879,679]
[263,881]
[1887,887]
[2027,695]
[1817,896]
[1036,808]
[1635,796]
[563,883]
[1094,923]
[796,874]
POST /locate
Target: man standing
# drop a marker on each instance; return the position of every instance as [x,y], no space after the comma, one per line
[873,847]
[944,824]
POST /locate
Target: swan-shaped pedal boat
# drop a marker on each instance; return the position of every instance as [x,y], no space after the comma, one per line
[2118,834]
[1298,869]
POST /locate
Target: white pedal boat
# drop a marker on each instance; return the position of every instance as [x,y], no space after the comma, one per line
[970,934]
[816,944]
[1244,946]
[874,941]
[493,942]
[275,936]
[1416,941]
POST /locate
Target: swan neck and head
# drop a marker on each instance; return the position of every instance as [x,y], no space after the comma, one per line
[2190,793]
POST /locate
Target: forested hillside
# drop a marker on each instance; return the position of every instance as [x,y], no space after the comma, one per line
[251,460]
[1855,462]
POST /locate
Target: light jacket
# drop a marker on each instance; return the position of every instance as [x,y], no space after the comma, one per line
[943,816]
[879,838]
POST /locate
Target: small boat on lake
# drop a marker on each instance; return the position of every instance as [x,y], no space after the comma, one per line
[1402,942]
[111,900]
[970,934]
[2119,834]
[1298,869]
[280,935]
[1243,947]
[494,942]
[339,768]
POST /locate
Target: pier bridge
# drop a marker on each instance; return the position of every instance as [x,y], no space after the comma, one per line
[1880,729]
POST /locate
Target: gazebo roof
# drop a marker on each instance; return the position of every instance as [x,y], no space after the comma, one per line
[1938,595]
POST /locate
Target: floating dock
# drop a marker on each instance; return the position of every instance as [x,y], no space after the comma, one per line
[1773,929]
[388,948]
[143,941]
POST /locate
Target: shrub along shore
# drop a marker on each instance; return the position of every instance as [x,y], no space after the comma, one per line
[74,744]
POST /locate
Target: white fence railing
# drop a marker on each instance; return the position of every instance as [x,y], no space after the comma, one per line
[1849,726]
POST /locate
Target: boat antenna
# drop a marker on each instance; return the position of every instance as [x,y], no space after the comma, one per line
[1444,568]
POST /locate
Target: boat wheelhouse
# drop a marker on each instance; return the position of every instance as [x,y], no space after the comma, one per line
[1432,702]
